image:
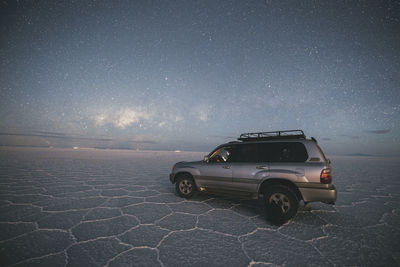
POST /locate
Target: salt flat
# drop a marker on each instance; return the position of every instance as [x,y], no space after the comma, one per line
[118,208]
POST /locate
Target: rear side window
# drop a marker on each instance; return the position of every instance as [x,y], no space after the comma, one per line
[283,152]
[245,153]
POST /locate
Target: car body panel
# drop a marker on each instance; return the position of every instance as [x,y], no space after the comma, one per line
[247,176]
[214,175]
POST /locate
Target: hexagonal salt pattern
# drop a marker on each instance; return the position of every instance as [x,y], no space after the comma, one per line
[118,208]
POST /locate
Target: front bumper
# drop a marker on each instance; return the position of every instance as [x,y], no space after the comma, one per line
[316,192]
[171,177]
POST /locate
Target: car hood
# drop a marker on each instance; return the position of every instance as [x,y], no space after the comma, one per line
[188,163]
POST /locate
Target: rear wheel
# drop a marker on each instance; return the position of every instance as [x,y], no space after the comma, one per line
[281,203]
[185,186]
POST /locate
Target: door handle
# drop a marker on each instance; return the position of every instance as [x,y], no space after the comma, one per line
[262,167]
[226,167]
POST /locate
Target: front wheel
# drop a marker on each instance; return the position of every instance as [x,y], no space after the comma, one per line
[185,186]
[281,203]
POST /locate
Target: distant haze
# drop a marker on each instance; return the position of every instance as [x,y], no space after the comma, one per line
[189,75]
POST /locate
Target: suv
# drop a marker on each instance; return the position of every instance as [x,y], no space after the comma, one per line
[282,166]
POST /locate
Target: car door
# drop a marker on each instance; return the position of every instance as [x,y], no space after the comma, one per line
[216,172]
[249,167]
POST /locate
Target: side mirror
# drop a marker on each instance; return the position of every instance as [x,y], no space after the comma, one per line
[206,158]
[329,161]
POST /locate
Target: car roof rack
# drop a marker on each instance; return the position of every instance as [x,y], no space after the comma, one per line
[259,136]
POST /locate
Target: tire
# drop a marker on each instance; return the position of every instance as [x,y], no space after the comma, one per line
[185,186]
[281,204]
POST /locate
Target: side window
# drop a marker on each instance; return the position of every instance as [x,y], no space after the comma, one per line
[266,152]
[222,154]
[245,153]
[300,152]
[288,152]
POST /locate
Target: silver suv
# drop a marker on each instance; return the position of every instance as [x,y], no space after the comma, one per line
[282,166]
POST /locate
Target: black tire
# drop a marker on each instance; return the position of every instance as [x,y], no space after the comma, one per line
[185,186]
[281,203]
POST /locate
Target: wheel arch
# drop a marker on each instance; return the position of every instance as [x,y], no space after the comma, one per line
[278,181]
[178,174]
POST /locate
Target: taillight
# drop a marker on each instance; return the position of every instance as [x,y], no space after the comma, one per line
[326,176]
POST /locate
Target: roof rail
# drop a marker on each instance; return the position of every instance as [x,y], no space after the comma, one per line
[288,134]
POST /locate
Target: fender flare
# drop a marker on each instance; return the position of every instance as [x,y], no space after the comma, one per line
[272,181]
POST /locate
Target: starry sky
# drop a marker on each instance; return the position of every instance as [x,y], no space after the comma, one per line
[190,75]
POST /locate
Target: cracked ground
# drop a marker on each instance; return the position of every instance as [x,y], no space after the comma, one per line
[118,208]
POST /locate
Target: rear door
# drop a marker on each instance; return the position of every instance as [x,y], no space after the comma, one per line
[249,167]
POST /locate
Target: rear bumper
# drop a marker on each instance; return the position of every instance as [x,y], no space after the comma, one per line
[171,177]
[316,192]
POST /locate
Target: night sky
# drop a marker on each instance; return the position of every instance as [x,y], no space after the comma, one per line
[190,75]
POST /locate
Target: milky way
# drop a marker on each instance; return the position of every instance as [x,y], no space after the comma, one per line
[189,75]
